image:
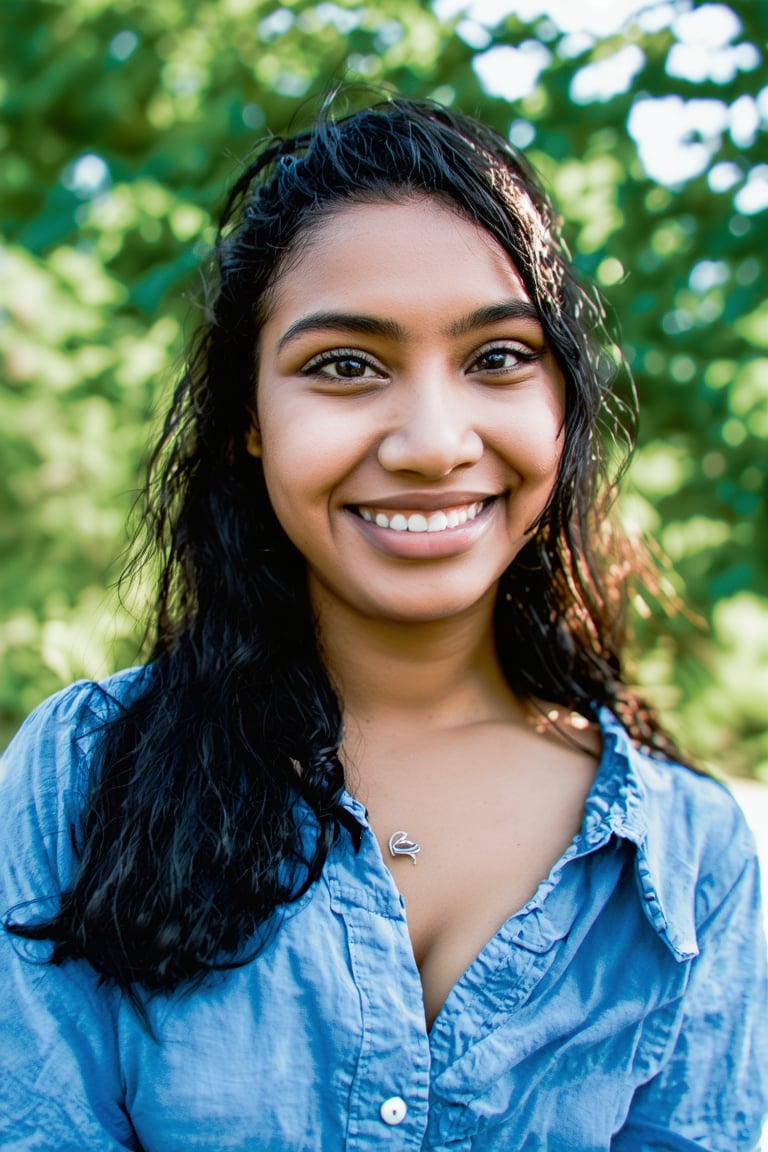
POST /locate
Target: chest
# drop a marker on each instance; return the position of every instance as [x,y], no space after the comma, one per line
[488,837]
[310,1043]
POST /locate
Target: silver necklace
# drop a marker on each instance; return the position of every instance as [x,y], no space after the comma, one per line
[400,845]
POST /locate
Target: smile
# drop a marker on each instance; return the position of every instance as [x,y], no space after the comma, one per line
[418,522]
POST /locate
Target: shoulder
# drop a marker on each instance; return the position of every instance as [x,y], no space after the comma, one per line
[61,730]
[695,817]
[693,841]
[45,771]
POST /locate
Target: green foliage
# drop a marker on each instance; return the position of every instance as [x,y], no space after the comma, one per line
[123,122]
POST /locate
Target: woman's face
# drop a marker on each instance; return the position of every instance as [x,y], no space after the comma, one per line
[409,414]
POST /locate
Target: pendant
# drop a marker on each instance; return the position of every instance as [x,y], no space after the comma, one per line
[400,845]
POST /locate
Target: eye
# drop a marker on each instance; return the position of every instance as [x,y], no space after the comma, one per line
[503,358]
[342,364]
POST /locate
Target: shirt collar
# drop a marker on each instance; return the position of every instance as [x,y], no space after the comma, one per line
[633,798]
[630,800]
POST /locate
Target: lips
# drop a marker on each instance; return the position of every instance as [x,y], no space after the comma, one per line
[421,521]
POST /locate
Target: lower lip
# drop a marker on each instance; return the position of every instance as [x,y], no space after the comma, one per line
[426,545]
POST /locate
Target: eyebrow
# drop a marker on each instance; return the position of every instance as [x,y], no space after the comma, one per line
[391,329]
[344,322]
[494,314]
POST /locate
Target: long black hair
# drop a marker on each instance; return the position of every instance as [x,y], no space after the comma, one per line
[216,797]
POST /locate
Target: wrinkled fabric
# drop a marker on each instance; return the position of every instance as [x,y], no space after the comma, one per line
[624,1007]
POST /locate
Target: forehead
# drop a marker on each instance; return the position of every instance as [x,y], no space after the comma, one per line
[396,256]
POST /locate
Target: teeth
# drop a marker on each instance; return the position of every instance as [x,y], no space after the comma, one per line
[420,522]
[437,522]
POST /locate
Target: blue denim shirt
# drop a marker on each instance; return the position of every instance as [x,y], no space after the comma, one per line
[622,1008]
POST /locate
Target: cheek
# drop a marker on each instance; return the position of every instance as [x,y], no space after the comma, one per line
[555,455]
[290,502]
[301,462]
[540,441]
[309,444]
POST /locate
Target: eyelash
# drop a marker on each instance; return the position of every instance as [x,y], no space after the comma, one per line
[325,359]
[521,353]
[315,366]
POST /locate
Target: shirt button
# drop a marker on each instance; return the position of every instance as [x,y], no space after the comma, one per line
[393,1110]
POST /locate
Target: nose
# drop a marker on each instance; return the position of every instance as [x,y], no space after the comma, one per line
[431,432]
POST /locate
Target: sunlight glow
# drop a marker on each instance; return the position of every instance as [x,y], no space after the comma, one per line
[511,73]
[609,77]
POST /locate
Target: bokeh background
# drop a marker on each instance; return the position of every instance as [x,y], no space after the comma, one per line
[124,121]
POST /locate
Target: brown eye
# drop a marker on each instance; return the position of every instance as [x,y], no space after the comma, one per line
[349,367]
[503,358]
[493,360]
[342,365]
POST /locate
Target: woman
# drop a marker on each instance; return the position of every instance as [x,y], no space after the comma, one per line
[379,849]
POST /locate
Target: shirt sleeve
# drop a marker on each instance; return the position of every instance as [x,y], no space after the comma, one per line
[712,1092]
[60,1084]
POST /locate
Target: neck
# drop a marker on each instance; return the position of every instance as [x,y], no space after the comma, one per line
[442,672]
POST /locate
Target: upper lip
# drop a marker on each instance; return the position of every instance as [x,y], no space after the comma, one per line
[428,501]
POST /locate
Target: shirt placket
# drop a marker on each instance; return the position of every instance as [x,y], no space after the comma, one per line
[388,1103]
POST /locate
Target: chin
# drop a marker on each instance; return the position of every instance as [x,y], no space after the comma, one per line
[434,609]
